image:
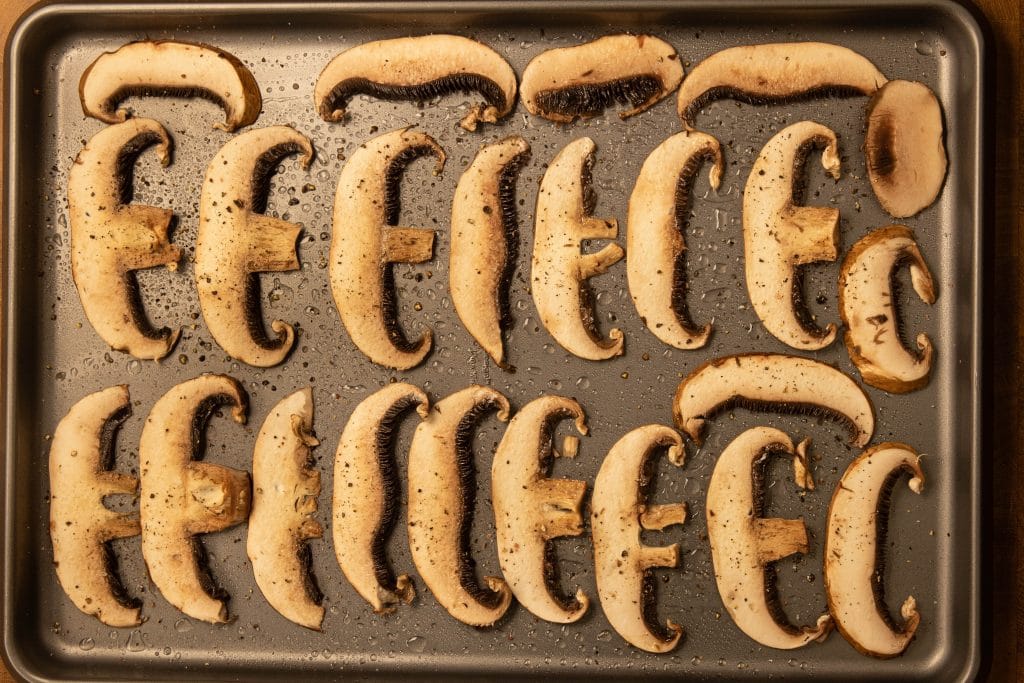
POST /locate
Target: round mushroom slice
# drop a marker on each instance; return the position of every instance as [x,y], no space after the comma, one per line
[855,548]
[111,237]
[182,498]
[168,67]
[659,210]
[442,491]
[531,509]
[367,496]
[904,147]
[868,308]
[780,237]
[285,489]
[418,68]
[237,241]
[744,544]
[619,513]
[771,382]
[366,243]
[559,270]
[564,83]
[484,246]
[81,476]
[777,72]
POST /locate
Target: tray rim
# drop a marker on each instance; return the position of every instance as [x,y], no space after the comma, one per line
[967,16]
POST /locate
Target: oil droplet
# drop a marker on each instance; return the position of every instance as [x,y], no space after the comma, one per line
[604,636]
[87,644]
[555,384]
[417,644]
[583,382]
[923,47]
[136,641]
[134,367]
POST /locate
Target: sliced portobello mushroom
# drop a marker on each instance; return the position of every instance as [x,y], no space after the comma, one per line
[170,68]
[182,498]
[111,237]
[619,513]
[772,382]
[81,526]
[559,270]
[565,83]
[855,550]
[531,509]
[442,491]
[237,241]
[867,304]
[285,489]
[484,246]
[419,68]
[366,242]
[905,147]
[367,496]
[659,211]
[777,72]
[779,237]
[744,543]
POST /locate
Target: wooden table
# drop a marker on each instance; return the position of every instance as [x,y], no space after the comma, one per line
[1003,576]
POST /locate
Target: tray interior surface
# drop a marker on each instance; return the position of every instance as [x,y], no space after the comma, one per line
[55,358]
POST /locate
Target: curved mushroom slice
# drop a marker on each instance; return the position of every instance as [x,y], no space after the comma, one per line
[366,243]
[531,509]
[81,457]
[237,241]
[110,237]
[744,543]
[484,242]
[418,68]
[175,68]
[367,494]
[776,72]
[559,271]
[182,498]
[780,237]
[659,210]
[771,382]
[442,490]
[619,513]
[854,550]
[868,309]
[285,489]
[564,83]
[904,147]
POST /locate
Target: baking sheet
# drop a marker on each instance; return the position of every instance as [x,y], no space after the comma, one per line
[54,358]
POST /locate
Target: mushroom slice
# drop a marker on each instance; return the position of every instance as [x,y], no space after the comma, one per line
[442,491]
[366,243]
[779,237]
[237,241]
[367,496]
[419,68]
[619,513]
[854,551]
[531,509]
[168,67]
[559,271]
[564,83]
[744,543]
[182,498]
[904,147]
[285,489]
[777,72]
[484,242]
[81,457]
[659,210]
[771,382]
[111,237]
[868,308]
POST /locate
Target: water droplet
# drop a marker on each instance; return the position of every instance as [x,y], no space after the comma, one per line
[417,644]
[555,384]
[86,644]
[923,47]
[183,626]
[136,641]
[583,382]
[134,367]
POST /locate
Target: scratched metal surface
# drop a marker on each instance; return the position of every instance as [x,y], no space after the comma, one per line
[55,358]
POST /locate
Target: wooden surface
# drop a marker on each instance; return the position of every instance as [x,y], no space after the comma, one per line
[1003,577]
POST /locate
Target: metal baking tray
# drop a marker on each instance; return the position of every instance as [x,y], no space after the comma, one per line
[53,357]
